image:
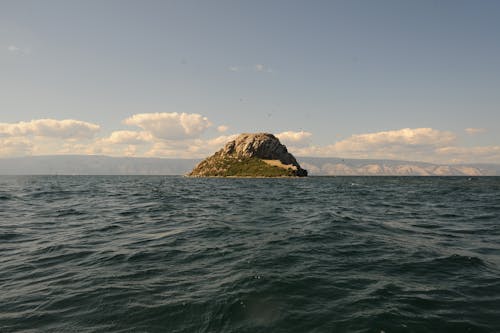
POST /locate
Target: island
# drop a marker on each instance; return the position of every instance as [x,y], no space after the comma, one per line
[250,155]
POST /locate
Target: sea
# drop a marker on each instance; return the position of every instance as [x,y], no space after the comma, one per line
[316,254]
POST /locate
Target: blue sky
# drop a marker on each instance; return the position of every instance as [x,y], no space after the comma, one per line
[413,80]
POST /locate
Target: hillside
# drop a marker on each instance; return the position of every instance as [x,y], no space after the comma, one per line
[250,155]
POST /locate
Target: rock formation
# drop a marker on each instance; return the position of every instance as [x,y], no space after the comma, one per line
[250,155]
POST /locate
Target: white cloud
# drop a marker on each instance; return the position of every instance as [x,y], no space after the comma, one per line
[473,131]
[417,144]
[162,135]
[130,151]
[222,128]
[262,68]
[101,146]
[190,148]
[13,48]
[259,67]
[218,142]
[407,143]
[179,135]
[65,129]
[249,68]
[406,137]
[19,51]
[74,148]
[295,139]
[13,147]
[129,137]
[118,143]
[170,126]
[477,154]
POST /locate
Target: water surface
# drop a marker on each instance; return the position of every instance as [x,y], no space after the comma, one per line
[319,254]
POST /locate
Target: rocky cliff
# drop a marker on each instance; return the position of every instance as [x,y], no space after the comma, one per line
[250,155]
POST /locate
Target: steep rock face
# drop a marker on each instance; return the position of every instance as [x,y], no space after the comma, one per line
[251,155]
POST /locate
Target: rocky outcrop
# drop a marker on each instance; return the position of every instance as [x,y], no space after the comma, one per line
[250,155]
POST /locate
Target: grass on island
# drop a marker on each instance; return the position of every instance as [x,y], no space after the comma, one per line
[241,167]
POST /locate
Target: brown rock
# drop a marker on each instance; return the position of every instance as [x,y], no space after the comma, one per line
[247,148]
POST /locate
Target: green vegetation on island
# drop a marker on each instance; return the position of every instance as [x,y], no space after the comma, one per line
[243,167]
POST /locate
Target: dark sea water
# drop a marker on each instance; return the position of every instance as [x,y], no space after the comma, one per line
[320,254]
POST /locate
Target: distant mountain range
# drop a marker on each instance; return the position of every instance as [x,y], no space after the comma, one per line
[365,167]
[317,166]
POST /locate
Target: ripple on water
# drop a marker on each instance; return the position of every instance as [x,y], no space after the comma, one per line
[155,254]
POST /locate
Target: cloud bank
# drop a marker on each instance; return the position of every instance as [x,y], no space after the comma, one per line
[296,139]
[14,49]
[191,135]
[474,131]
[129,137]
[415,144]
[260,68]
[396,141]
[170,126]
[68,128]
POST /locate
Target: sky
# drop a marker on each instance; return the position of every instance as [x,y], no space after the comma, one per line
[410,80]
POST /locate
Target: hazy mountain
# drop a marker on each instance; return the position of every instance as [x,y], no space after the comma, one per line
[361,167]
[94,165]
[317,166]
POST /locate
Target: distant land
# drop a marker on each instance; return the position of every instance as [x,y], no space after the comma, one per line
[317,166]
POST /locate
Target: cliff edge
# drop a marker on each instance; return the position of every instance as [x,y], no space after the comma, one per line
[250,155]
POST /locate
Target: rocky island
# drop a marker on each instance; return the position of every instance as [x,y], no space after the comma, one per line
[250,155]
